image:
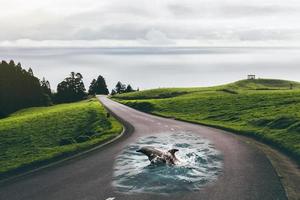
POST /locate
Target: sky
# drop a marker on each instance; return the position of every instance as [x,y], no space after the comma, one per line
[115,23]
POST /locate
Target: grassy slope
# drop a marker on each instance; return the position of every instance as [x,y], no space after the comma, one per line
[265,109]
[34,135]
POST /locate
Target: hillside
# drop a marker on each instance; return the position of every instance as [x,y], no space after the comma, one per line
[239,86]
[265,109]
[35,136]
[265,84]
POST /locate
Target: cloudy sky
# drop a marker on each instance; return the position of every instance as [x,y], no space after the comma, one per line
[89,23]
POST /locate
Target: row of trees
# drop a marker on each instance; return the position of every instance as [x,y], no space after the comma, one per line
[20,89]
[122,88]
[72,88]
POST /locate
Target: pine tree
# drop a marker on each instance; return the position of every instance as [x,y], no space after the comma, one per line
[92,88]
[113,92]
[98,86]
[120,88]
[30,72]
[129,88]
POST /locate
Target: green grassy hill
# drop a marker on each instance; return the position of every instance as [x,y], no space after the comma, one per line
[35,136]
[264,84]
[266,109]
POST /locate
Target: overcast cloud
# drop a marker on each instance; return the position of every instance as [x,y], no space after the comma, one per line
[150,23]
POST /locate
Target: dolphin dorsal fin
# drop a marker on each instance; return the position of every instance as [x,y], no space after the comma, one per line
[173,151]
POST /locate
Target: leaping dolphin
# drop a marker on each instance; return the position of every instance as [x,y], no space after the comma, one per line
[158,156]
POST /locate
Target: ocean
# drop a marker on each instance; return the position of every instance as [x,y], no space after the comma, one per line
[154,67]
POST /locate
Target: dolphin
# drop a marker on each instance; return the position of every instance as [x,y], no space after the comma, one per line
[157,156]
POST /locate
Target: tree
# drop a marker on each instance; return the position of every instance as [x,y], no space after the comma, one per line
[30,71]
[71,89]
[120,88]
[45,85]
[98,86]
[19,89]
[129,88]
[113,92]
[92,88]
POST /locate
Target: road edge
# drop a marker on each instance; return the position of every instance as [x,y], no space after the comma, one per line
[127,129]
[286,168]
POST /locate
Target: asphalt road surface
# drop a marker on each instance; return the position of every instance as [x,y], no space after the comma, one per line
[247,173]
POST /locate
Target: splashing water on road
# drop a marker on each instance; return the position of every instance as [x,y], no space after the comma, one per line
[200,164]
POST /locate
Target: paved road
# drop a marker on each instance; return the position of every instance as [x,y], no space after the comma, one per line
[247,173]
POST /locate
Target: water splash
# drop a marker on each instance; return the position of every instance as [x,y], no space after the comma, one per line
[200,164]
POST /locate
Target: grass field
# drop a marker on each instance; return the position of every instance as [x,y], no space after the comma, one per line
[265,109]
[36,136]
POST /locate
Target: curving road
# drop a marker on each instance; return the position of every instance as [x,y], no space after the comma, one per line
[247,173]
